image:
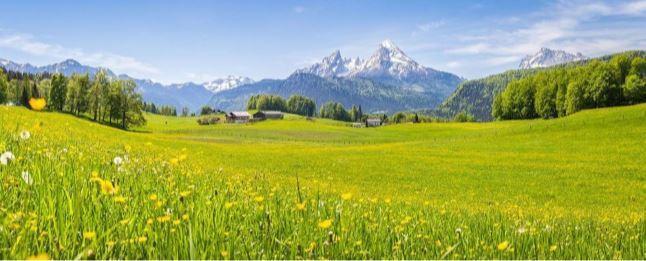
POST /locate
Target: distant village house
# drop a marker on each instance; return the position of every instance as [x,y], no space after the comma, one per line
[238,117]
[263,115]
[373,122]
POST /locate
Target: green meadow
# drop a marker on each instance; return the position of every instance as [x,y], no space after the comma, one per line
[567,188]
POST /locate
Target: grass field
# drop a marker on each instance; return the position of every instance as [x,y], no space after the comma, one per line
[569,188]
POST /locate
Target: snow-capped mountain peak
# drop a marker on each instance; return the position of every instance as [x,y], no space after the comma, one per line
[226,83]
[333,65]
[389,60]
[546,57]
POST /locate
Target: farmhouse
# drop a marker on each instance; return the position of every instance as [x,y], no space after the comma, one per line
[238,117]
[263,115]
[373,122]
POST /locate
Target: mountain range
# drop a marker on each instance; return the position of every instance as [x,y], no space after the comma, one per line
[387,81]
[190,95]
[546,57]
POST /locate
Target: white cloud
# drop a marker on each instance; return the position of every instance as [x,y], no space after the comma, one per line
[424,28]
[453,64]
[298,9]
[568,25]
[27,44]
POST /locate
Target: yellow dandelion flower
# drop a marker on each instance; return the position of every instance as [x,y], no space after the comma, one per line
[163,219]
[184,194]
[37,104]
[153,197]
[89,235]
[120,199]
[346,196]
[174,161]
[41,256]
[107,187]
[224,254]
[125,221]
[504,245]
[185,217]
[300,206]
[142,239]
[228,205]
[553,248]
[325,224]
[176,222]
[259,199]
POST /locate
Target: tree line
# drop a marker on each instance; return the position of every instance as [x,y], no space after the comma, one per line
[296,104]
[565,90]
[111,101]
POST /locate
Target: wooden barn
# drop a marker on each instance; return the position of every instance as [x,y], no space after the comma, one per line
[263,115]
[373,122]
[238,117]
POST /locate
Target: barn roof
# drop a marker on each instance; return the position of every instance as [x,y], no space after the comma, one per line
[277,113]
[373,120]
[239,114]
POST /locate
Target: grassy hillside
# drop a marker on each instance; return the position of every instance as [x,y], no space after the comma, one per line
[567,188]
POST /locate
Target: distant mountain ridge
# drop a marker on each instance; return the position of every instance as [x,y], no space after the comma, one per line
[546,57]
[191,95]
[388,65]
[388,81]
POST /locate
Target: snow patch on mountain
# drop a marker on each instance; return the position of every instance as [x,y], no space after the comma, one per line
[546,57]
[226,83]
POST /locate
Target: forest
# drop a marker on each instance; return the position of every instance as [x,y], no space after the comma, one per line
[99,98]
[564,90]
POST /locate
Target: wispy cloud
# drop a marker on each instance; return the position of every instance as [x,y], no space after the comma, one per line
[563,25]
[28,44]
[426,27]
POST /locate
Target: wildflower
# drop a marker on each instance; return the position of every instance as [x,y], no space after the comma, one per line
[259,199]
[300,206]
[504,245]
[346,196]
[163,219]
[25,135]
[107,187]
[120,199]
[522,230]
[184,194]
[6,157]
[185,217]
[89,235]
[27,178]
[41,256]
[142,239]
[174,161]
[153,197]
[117,160]
[553,248]
[176,222]
[325,224]
[37,104]
[228,205]
[224,254]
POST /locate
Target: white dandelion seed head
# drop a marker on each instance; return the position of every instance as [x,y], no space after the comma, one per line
[27,178]
[6,157]
[117,160]
[522,230]
[25,135]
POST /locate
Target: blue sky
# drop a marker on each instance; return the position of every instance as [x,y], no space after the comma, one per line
[177,41]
